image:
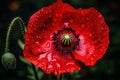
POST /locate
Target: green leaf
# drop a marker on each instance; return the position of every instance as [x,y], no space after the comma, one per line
[30,77]
[30,70]
[39,73]
[21,44]
[23,60]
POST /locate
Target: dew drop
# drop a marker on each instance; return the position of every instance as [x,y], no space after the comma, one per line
[83,25]
[57,14]
[42,56]
[53,60]
[42,9]
[49,56]
[102,28]
[90,34]
[58,65]
[50,66]
[39,37]
[51,36]
[90,53]
[92,58]
[46,12]
[37,42]
[48,45]
[99,16]
[66,24]
[60,15]
[70,63]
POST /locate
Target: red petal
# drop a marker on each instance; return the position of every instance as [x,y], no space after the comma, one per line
[43,24]
[38,47]
[88,23]
[52,61]
[94,36]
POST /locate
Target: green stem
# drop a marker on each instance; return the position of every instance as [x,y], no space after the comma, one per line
[61,76]
[35,72]
[23,29]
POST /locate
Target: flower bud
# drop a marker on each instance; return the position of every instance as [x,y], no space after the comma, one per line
[9,61]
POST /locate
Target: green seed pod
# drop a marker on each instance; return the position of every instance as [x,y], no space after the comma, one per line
[9,61]
[66,39]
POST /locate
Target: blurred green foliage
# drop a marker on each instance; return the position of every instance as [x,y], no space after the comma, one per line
[108,68]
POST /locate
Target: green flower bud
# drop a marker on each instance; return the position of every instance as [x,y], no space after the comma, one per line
[9,61]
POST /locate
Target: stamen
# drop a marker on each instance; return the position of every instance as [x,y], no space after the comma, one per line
[65,40]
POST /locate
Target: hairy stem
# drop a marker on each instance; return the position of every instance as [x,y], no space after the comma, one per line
[23,29]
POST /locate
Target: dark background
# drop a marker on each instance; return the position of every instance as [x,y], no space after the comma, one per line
[108,68]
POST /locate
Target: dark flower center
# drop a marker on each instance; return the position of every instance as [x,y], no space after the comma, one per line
[65,40]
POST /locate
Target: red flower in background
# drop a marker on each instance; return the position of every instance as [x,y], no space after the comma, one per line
[58,37]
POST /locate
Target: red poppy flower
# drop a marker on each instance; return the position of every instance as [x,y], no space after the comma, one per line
[58,37]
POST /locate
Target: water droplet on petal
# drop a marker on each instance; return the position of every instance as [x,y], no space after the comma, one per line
[57,14]
[102,28]
[100,16]
[54,60]
[49,56]
[66,24]
[42,55]
[90,53]
[51,36]
[50,66]
[42,9]
[46,12]
[69,63]
[40,37]
[37,42]
[90,34]
[58,65]
[83,25]
[60,15]
[48,45]
[92,58]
